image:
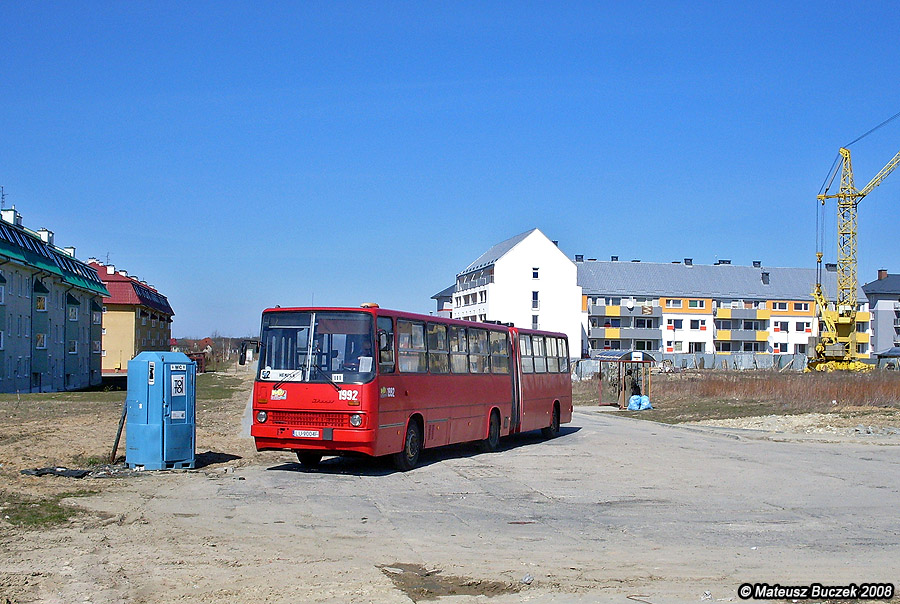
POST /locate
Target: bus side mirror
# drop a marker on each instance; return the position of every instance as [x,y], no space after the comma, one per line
[242,360]
[384,342]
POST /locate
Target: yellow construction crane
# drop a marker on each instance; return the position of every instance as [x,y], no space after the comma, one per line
[836,345]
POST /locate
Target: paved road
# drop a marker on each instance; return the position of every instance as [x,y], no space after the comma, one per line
[612,508]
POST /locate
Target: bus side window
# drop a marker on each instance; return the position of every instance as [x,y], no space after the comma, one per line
[438,356]
[459,359]
[540,361]
[563,356]
[411,344]
[499,352]
[479,361]
[525,353]
[385,345]
[552,357]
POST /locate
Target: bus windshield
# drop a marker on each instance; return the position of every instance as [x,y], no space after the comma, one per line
[313,346]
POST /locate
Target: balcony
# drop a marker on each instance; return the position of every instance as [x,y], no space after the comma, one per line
[474,283]
[742,313]
[741,335]
[598,310]
[625,333]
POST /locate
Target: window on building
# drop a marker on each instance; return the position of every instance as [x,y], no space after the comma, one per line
[780,325]
[534,273]
[678,346]
[73,313]
[612,322]
[696,303]
[96,318]
[40,341]
[73,347]
[535,303]
[862,348]
[103,354]
[2,294]
[800,348]
[673,303]
[675,323]
[96,346]
[612,344]
[723,346]
[754,347]
[535,324]
[642,323]
[2,339]
[723,323]
[695,347]
[698,324]
[779,306]
[862,326]
[802,326]
[780,347]
[801,306]
[40,303]
[643,345]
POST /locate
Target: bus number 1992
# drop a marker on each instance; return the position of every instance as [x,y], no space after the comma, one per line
[348,395]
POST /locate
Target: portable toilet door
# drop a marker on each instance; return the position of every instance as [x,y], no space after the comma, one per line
[179,427]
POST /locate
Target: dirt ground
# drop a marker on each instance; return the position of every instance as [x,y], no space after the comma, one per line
[38,432]
[237,528]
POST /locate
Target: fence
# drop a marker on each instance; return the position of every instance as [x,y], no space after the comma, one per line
[742,361]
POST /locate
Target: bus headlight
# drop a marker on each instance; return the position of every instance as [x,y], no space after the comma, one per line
[356,420]
[262,416]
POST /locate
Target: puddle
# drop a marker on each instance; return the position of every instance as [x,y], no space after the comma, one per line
[420,584]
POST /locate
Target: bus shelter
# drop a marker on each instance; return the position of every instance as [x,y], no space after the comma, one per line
[613,366]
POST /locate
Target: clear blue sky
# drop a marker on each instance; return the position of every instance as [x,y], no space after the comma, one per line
[239,155]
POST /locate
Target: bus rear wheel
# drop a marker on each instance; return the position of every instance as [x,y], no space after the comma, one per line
[552,431]
[493,440]
[407,459]
[309,459]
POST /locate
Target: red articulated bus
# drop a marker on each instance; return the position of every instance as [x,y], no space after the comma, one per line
[383,382]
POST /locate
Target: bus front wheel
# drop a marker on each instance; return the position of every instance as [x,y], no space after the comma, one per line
[309,459]
[552,431]
[412,445]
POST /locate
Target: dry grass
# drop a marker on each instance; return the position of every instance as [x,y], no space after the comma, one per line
[704,395]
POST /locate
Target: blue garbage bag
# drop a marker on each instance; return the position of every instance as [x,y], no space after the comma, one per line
[645,403]
[634,403]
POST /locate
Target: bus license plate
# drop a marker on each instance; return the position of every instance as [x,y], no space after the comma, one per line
[306,433]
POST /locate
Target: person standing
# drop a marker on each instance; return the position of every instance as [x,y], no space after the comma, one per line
[627,384]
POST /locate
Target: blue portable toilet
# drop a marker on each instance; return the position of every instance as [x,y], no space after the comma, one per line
[161,411]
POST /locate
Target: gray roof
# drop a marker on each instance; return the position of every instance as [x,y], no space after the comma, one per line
[888,285]
[714,281]
[494,253]
[890,353]
[445,293]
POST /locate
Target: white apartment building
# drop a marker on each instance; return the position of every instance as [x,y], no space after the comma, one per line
[673,308]
[526,280]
